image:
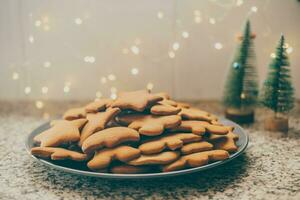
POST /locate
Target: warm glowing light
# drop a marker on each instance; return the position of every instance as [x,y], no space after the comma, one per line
[160,15]
[185,34]
[111,77]
[31,39]
[243,96]
[176,46]
[218,45]
[212,20]
[38,23]
[66,89]
[125,51]
[45,19]
[113,95]
[98,94]
[27,90]
[171,54]
[39,104]
[134,71]
[44,90]
[103,80]
[239,2]
[47,64]
[46,28]
[135,50]
[78,21]
[197,12]
[15,76]
[198,19]
[273,55]
[289,50]
[113,90]
[254,9]
[150,86]
[89,59]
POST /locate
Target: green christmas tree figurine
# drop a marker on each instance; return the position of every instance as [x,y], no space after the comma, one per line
[241,88]
[277,92]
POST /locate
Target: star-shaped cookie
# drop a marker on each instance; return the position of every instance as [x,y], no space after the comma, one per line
[61,132]
[75,113]
[97,122]
[137,100]
[97,106]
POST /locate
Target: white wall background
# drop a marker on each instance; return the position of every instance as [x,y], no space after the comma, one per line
[42,46]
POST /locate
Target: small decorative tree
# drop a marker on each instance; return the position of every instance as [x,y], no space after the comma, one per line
[277,92]
[241,88]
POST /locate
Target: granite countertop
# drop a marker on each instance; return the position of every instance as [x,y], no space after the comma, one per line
[270,168]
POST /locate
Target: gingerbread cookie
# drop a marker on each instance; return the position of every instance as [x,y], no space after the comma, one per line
[56,153]
[129,169]
[170,141]
[97,106]
[62,132]
[196,114]
[137,100]
[196,160]
[227,143]
[196,147]
[165,107]
[74,113]
[103,158]
[149,124]
[109,137]
[97,122]
[183,105]
[200,127]
[156,159]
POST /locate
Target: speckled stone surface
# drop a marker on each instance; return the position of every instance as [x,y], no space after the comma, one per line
[270,168]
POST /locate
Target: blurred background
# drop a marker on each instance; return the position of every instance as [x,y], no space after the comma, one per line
[82,50]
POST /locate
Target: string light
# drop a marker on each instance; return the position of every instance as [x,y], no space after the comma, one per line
[185,34]
[197,13]
[243,96]
[218,46]
[150,86]
[273,55]
[134,71]
[176,46]
[39,104]
[98,94]
[89,59]
[47,64]
[27,90]
[45,19]
[103,80]
[31,39]
[254,9]
[46,28]
[135,50]
[113,96]
[111,77]
[171,54]
[38,23]
[66,89]
[15,76]
[198,19]
[45,90]
[289,50]
[160,15]
[78,21]
[239,2]
[212,21]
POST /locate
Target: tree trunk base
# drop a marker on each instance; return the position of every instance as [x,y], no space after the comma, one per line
[240,116]
[277,124]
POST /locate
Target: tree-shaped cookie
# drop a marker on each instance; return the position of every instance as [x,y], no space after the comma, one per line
[150,125]
[109,137]
[137,100]
[103,158]
[56,153]
[171,141]
[97,122]
[196,160]
[60,133]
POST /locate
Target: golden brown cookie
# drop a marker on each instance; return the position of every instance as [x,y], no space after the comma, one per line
[200,127]
[104,157]
[196,114]
[74,113]
[109,137]
[97,122]
[97,106]
[164,107]
[171,141]
[227,143]
[196,147]
[149,124]
[137,100]
[62,132]
[196,160]
[183,105]
[156,159]
[164,95]
[129,169]
[56,153]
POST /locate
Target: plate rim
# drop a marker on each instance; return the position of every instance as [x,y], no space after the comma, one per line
[241,150]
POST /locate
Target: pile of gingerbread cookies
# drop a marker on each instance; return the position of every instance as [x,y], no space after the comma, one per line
[138,132]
